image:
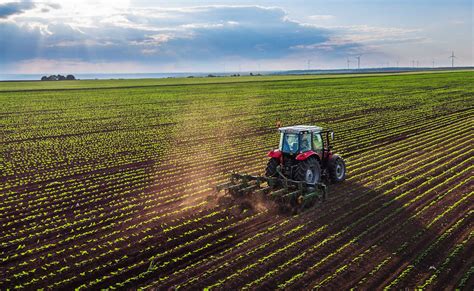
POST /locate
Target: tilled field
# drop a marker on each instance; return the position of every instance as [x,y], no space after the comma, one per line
[113,187]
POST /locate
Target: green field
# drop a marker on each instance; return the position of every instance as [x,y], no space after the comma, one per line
[106,183]
[121,83]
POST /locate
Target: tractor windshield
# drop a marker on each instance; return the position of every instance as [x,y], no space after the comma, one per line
[289,142]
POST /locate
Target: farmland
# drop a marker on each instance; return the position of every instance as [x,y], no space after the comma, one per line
[107,184]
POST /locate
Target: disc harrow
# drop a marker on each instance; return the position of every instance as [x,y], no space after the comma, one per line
[286,193]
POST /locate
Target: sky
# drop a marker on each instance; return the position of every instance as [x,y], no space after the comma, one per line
[140,36]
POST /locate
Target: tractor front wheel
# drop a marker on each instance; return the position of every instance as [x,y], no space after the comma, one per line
[271,170]
[309,171]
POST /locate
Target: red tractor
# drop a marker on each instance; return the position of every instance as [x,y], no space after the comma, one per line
[305,155]
[296,172]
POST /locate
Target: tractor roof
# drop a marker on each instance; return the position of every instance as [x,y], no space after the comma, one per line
[300,128]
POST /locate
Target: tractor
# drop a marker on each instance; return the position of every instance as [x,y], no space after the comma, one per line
[297,172]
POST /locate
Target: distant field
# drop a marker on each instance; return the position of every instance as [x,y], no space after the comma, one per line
[107,183]
[118,83]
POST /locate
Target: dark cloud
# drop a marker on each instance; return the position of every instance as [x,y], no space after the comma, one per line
[12,8]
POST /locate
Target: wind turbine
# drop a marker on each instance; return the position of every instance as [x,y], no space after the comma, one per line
[358,62]
[348,63]
[452,57]
[309,65]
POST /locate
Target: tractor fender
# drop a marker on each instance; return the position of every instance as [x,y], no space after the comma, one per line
[305,155]
[333,157]
[274,154]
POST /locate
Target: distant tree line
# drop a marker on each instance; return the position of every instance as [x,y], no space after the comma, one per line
[233,75]
[58,78]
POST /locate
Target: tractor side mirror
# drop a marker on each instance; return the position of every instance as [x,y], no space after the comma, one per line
[332,135]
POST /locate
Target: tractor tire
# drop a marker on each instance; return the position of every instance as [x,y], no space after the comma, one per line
[271,170]
[309,171]
[337,169]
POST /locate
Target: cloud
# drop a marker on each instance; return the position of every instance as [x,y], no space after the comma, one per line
[322,17]
[207,33]
[12,8]
[53,5]
[365,39]
[334,44]
[169,37]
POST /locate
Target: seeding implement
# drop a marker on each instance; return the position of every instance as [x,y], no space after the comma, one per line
[297,172]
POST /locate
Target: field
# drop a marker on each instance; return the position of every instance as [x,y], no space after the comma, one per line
[107,184]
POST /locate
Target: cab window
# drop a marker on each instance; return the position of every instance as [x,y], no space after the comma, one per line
[305,142]
[289,143]
[317,142]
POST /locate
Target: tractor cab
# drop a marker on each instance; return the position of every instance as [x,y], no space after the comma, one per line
[304,139]
[301,139]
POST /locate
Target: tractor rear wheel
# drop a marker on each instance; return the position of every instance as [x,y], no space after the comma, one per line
[337,169]
[309,171]
[271,170]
